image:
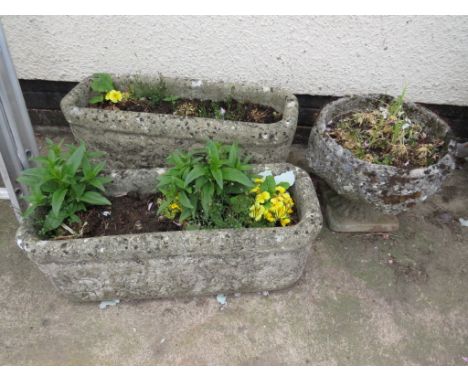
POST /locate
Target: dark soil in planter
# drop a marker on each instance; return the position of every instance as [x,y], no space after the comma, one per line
[127,214]
[422,151]
[234,110]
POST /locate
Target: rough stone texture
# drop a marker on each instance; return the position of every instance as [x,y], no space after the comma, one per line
[138,140]
[344,215]
[179,263]
[388,188]
[326,55]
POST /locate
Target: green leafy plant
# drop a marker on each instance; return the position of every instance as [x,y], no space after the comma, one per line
[202,185]
[395,108]
[102,84]
[64,183]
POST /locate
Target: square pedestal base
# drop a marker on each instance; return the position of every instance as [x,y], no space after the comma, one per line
[343,215]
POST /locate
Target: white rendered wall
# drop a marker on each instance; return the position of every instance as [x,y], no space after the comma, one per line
[333,55]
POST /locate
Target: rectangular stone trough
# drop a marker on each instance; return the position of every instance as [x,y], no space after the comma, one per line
[179,263]
[144,140]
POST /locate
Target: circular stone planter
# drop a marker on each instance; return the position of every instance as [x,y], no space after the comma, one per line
[179,263]
[389,189]
[144,140]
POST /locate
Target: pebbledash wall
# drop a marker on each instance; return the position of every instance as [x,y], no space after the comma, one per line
[320,55]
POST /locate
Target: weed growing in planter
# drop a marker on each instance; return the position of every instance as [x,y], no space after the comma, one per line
[387,136]
[154,93]
[213,188]
[64,184]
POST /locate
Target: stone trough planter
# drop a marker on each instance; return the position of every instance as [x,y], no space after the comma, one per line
[144,140]
[387,188]
[179,263]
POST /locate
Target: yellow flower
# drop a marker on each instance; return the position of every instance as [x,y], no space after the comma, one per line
[175,206]
[255,190]
[256,211]
[262,197]
[258,180]
[269,216]
[280,189]
[285,221]
[287,199]
[286,196]
[114,96]
[278,211]
[276,201]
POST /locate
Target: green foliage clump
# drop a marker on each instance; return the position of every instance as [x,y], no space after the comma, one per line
[101,84]
[153,92]
[64,183]
[208,187]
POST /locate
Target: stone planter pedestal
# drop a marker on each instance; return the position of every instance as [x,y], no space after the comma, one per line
[387,189]
[179,263]
[144,140]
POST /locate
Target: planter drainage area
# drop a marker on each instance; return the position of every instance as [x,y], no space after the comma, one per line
[363,299]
